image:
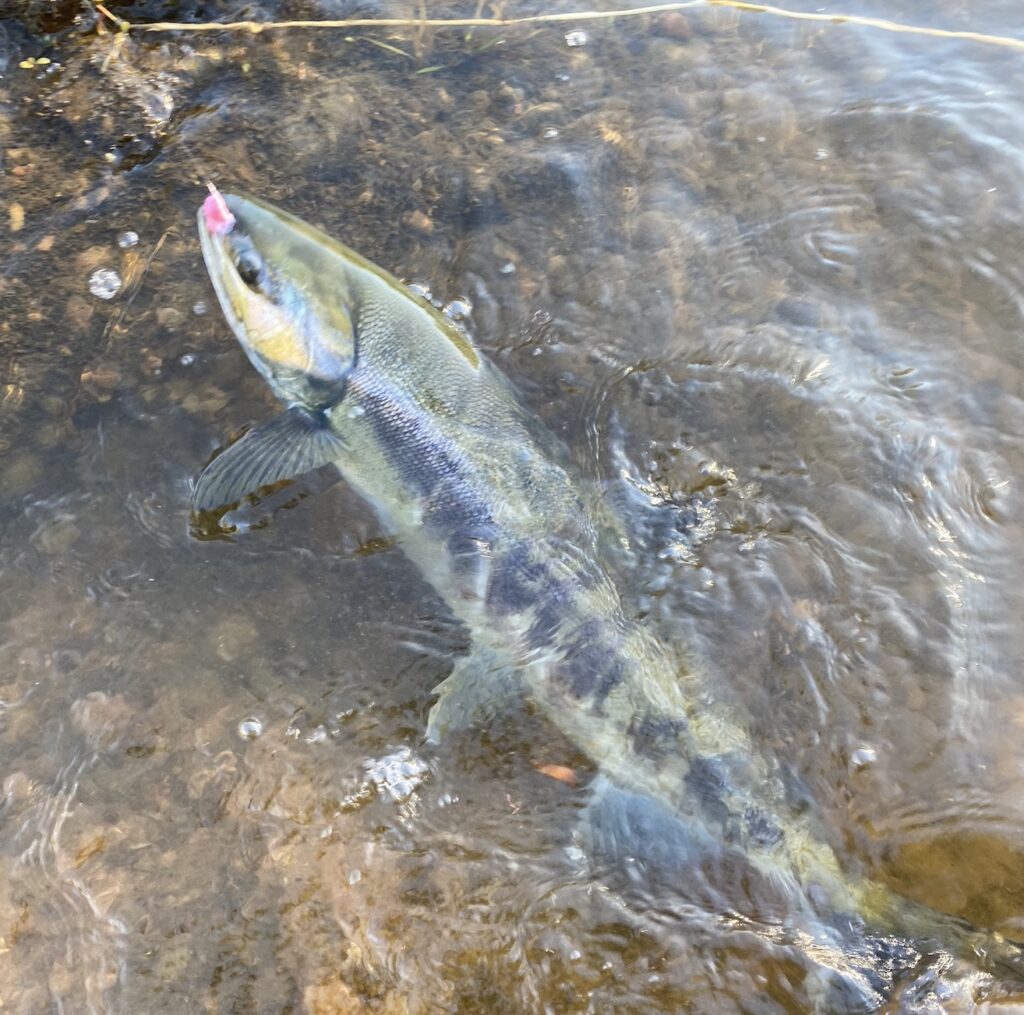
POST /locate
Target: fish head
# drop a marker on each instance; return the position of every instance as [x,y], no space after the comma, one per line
[280,290]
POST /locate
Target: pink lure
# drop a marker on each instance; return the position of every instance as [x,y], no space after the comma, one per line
[216,214]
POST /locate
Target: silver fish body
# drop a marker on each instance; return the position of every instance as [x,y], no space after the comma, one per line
[480,499]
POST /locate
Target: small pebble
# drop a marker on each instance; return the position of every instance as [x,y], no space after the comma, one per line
[127,239]
[104,283]
[169,317]
[103,376]
[419,221]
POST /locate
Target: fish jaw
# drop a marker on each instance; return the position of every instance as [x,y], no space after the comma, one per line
[218,260]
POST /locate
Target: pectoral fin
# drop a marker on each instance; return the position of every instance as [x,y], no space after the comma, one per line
[282,448]
[479,687]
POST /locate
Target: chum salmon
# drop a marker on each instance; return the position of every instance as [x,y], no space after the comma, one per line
[479,496]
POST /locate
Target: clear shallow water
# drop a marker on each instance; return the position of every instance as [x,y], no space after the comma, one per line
[769,271]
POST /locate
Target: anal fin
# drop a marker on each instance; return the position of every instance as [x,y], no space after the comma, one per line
[479,687]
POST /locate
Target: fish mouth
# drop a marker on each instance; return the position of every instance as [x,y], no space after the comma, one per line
[216,215]
[215,221]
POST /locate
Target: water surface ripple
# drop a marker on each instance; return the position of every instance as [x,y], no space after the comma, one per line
[762,277]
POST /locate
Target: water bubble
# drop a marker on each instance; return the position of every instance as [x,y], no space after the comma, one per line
[250,729]
[397,775]
[862,757]
[577,37]
[187,359]
[458,309]
[508,268]
[563,78]
[199,308]
[418,289]
[105,283]
[355,877]
[549,132]
[127,239]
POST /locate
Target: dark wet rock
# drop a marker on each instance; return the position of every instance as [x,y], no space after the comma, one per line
[331,10]
[65,660]
[549,172]
[674,24]
[102,718]
[86,416]
[801,311]
[118,97]
[20,473]
[652,230]
[8,47]
[43,16]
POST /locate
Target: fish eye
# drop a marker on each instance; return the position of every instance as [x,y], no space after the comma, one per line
[249,267]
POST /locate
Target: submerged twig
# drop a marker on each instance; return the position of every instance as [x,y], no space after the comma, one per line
[386,46]
[136,284]
[256,27]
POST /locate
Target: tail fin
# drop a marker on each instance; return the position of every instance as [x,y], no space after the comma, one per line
[651,853]
[982,948]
